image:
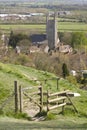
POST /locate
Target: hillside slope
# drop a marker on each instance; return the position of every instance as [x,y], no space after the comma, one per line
[27,77]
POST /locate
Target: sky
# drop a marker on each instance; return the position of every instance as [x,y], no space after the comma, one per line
[60,1]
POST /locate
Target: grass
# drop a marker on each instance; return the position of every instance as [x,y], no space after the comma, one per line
[61,123]
[24,75]
[62,26]
[72,26]
[19,26]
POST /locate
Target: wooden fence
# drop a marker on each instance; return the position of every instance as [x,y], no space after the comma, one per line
[54,100]
[21,92]
[39,93]
[58,99]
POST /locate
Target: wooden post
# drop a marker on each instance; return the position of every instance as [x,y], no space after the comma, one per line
[16,96]
[21,98]
[41,98]
[57,83]
[63,107]
[47,101]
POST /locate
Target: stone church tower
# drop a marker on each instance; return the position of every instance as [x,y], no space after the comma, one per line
[51,28]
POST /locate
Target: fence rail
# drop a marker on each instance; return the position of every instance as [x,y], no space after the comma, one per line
[56,98]
[63,93]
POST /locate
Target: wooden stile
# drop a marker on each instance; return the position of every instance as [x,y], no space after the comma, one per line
[63,93]
[56,106]
[57,99]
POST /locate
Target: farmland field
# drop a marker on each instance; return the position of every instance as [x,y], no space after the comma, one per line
[62,26]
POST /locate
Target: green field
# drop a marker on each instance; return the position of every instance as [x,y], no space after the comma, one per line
[62,26]
[72,26]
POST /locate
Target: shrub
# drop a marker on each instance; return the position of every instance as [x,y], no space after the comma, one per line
[72,79]
[22,59]
[42,62]
[15,38]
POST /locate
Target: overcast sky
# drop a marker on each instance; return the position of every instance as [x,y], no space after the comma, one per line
[60,1]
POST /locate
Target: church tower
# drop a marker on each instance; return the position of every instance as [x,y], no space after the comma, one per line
[51,29]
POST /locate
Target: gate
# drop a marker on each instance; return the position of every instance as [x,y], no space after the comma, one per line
[36,97]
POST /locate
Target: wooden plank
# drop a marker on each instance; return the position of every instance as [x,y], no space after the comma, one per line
[32,99]
[59,93]
[71,94]
[35,93]
[31,87]
[27,88]
[57,99]
[56,106]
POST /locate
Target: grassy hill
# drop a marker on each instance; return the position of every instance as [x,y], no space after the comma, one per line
[25,77]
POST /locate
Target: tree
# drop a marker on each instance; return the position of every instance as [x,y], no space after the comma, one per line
[65,70]
[79,39]
[65,37]
[12,41]
[15,38]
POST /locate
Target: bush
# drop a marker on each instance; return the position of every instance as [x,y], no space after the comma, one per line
[72,79]
[42,62]
[15,38]
[22,59]
[79,79]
